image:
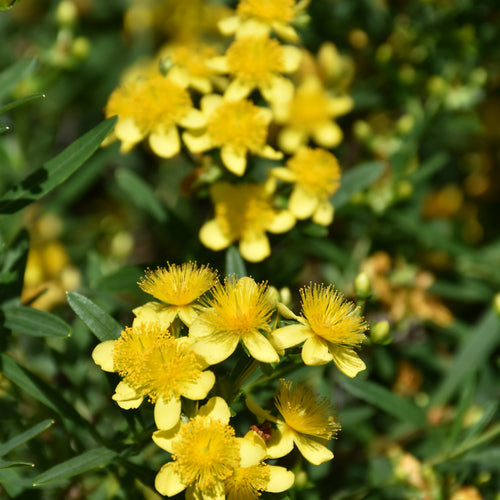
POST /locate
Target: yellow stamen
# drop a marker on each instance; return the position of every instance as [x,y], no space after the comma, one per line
[247,483]
[268,10]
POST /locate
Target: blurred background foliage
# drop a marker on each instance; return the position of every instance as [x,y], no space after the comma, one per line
[416,214]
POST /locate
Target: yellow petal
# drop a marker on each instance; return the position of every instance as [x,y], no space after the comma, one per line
[165,143]
[291,58]
[187,314]
[323,214]
[199,329]
[193,119]
[252,449]
[261,414]
[290,139]
[234,160]
[197,142]
[255,248]
[260,348]
[216,408]
[290,335]
[282,222]
[199,388]
[315,352]
[302,203]
[209,103]
[228,25]
[154,312]
[168,481]
[313,449]
[340,105]
[237,90]
[127,131]
[285,174]
[286,312]
[280,479]
[218,64]
[286,32]
[280,89]
[347,361]
[213,348]
[281,442]
[328,135]
[167,413]
[216,492]
[103,355]
[126,396]
[212,236]
[268,152]
[164,438]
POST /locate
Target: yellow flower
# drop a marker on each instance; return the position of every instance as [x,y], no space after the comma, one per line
[310,114]
[258,62]
[263,16]
[153,363]
[237,127]
[330,327]
[153,107]
[253,476]
[244,212]
[306,421]
[205,453]
[178,287]
[316,174]
[238,310]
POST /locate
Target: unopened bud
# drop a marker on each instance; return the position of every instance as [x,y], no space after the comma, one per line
[66,13]
[362,285]
[380,331]
[166,64]
[496,303]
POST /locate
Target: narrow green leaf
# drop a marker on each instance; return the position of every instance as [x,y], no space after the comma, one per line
[20,102]
[3,129]
[140,193]
[5,464]
[234,263]
[24,437]
[39,390]
[100,323]
[87,461]
[14,74]
[356,179]
[24,319]
[13,259]
[488,458]
[385,400]
[472,355]
[55,171]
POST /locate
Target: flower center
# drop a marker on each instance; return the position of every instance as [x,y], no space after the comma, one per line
[238,124]
[206,452]
[309,108]
[317,171]
[247,483]
[255,60]
[267,10]
[178,285]
[304,412]
[331,316]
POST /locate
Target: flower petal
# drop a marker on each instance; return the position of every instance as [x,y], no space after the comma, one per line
[154,312]
[197,142]
[215,348]
[313,449]
[280,89]
[199,388]
[291,58]
[228,25]
[193,119]
[126,396]
[216,492]
[282,222]
[270,153]
[103,355]
[167,413]
[187,314]
[218,64]
[290,335]
[280,479]
[290,139]
[255,248]
[164,438]
[165,143]
[328,134]
[168,481]
[302,203]
[285,174]
[128,132]
[237,90]
[261,414]
[212,236]
[281,442]
[315,352]
[209,103]
[347,360]
[216,408]
[234,160]
[260,348]
[323,214]
[252,449]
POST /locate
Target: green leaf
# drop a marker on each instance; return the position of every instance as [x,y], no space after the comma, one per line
[140,193]
[25,436]
[100,323]
[3,129]
[87,461]
[385,400]
[356,179]
[24,319]
[20,102]
[39,390]
[473,354]
[55,171]
[234,263]
[12,266]
[5,464]
[14,74]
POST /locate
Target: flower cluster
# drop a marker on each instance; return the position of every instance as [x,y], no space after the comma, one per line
[250,99]
[199,321]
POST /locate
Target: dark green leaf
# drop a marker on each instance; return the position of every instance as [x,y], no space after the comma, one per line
[140,193]
[234,263]
[384,399]
[55,171]
[12,266]
[473,354]
[100,323]
[88,460]
[24,319]
[23,437]
[14,74]
[20,102]
[356,179]
[5,464]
